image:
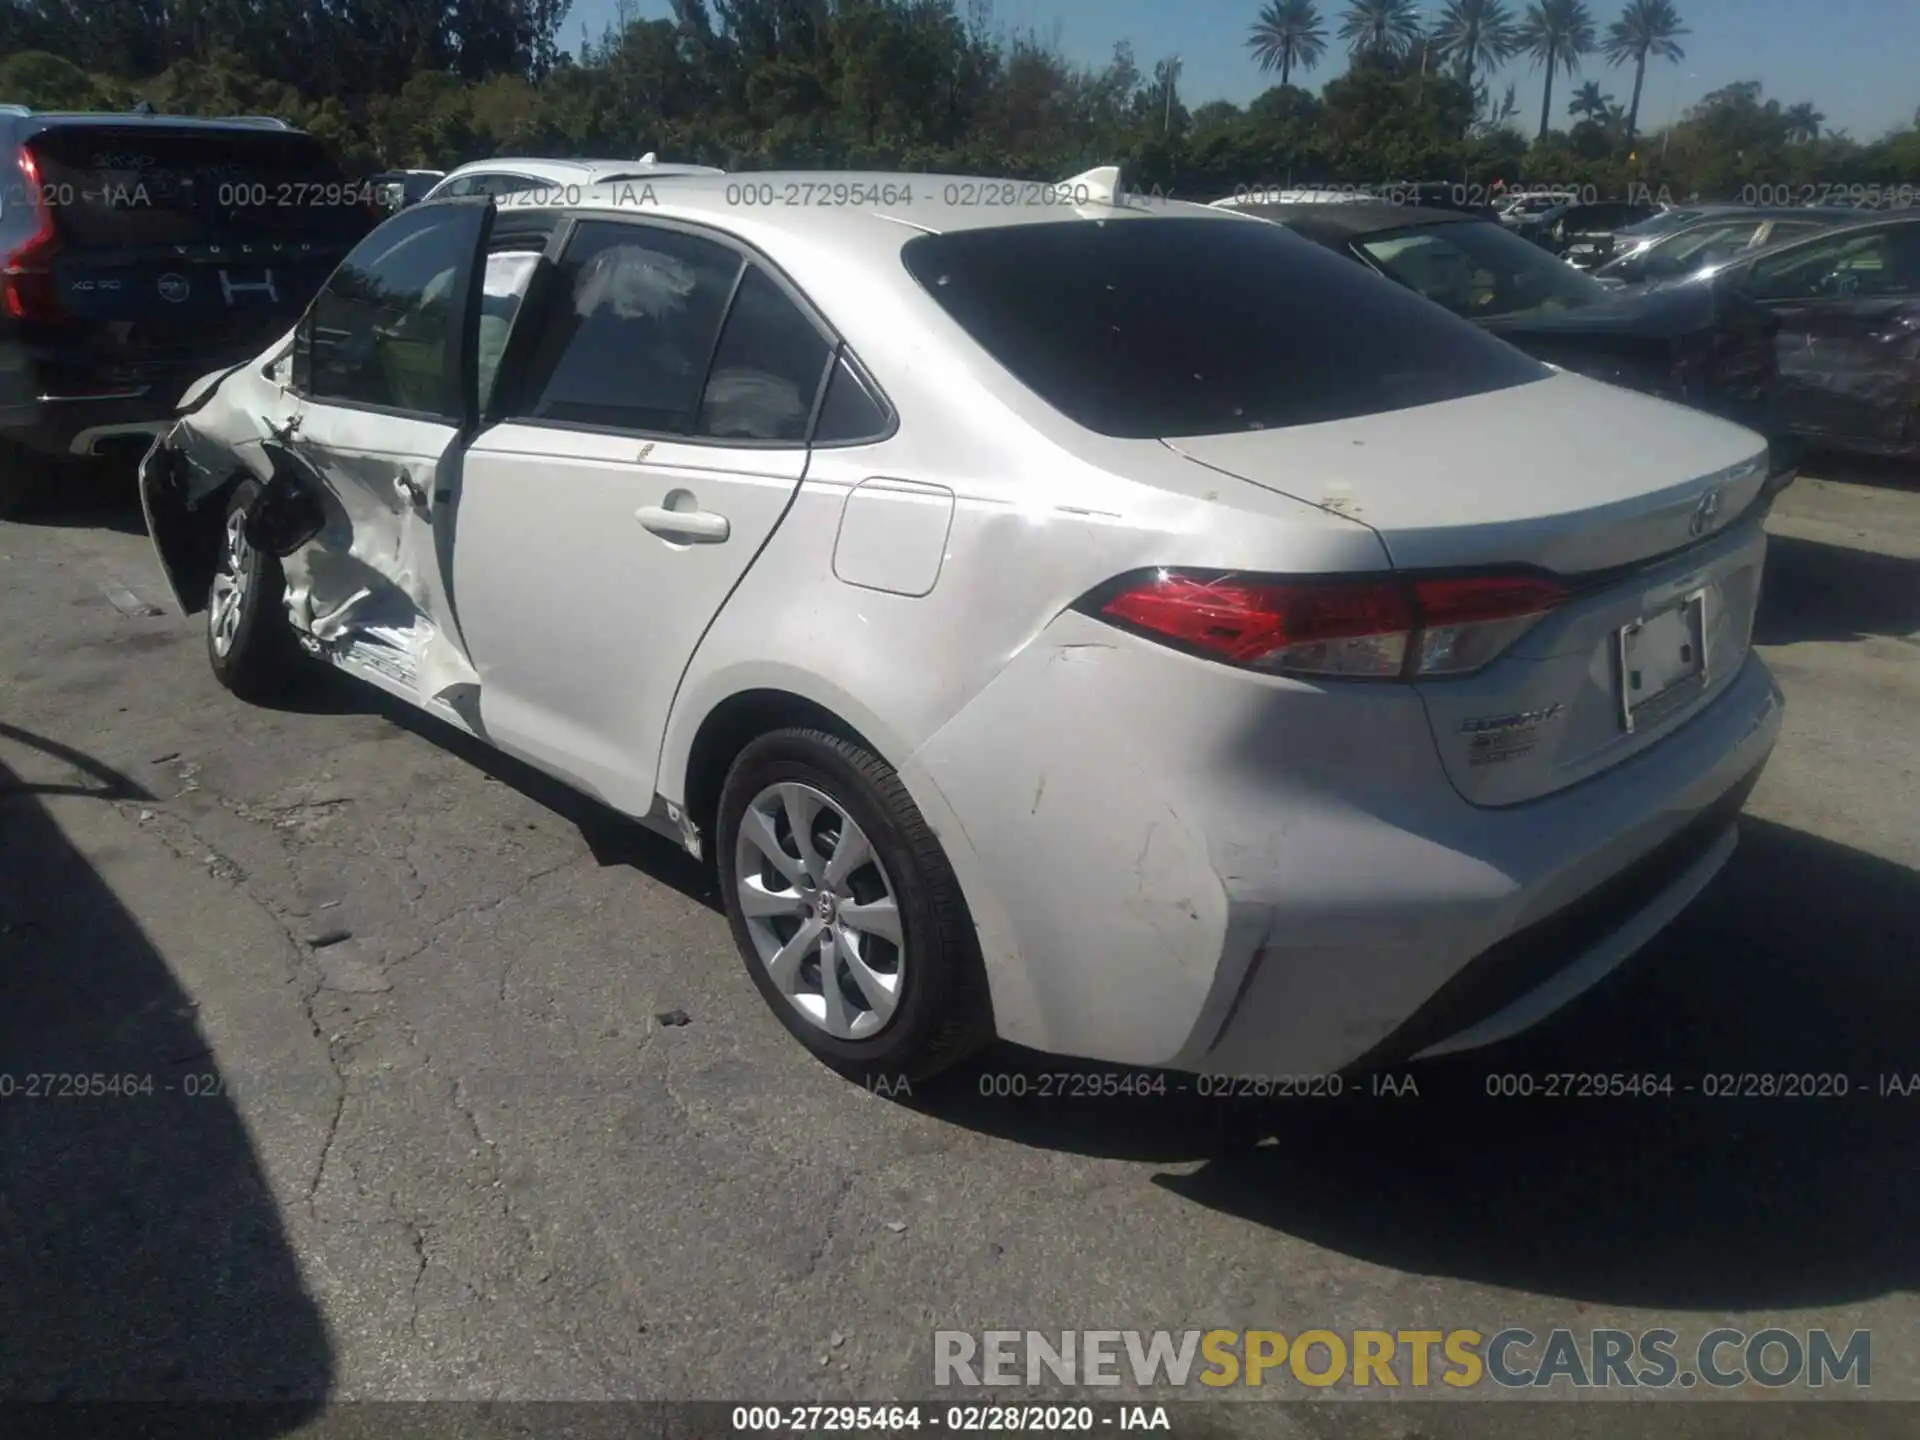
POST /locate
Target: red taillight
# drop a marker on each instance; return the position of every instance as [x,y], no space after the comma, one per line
[1380,627]
[1468,621]
[27,290]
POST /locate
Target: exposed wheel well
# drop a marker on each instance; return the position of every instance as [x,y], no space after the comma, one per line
[198,542]
[736,723]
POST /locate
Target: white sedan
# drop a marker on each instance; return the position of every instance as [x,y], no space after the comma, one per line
[1123,628]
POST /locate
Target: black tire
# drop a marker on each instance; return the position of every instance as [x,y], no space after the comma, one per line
[943,1013]
[263,658]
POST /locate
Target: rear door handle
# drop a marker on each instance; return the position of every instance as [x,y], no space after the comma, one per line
[702,527]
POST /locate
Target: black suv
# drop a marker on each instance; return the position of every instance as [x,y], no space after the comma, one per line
[139,252]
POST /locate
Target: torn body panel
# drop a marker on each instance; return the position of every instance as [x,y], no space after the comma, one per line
[351,520]
[1850,373]
[216,440]
[370,582]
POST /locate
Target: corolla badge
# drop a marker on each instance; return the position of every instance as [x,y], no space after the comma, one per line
[1520,720]
[1499,738]
[174,288]
[1705,514]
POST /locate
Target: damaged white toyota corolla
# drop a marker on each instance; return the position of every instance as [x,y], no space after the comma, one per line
[1126,629]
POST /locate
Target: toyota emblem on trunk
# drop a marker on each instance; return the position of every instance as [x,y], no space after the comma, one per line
[1704,513]
[174,288]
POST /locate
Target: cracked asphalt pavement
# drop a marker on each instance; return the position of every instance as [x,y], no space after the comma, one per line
[400,1116]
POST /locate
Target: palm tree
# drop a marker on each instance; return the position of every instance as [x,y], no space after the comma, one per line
[1474,35]
[1803,123]
[1287,34]
[1556,33]
[1589,102]
[1645,27]
[1380,27]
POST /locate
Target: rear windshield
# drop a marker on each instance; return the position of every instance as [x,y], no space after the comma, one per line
[1177,326]
[115,188]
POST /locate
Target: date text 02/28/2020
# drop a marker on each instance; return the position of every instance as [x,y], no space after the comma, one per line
[957,1419]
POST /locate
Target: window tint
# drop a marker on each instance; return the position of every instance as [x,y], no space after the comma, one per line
[851,412]
[1784,230]
[124,187]
[1190,326]
[502,184]
[767,372]
[630,335]
[386,330]
[503,287]
[1691,249]
[1481,270]
[1844,267]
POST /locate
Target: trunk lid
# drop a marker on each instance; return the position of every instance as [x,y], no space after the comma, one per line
[1565,474]
[180,241]
[1646,511]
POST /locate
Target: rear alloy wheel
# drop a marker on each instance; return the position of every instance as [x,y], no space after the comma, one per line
[250,643]
[846,911]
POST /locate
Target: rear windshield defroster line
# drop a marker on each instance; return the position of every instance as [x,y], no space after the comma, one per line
[1166,326]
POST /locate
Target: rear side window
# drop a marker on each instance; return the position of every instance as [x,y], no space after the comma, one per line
[767,372]
[662,332]
[852,412]
[118,187]
[631,333]
[1169,327]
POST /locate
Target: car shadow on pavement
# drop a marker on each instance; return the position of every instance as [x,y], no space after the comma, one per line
[1815,591]
[1849,469]
[101,494]
[142,1250]
[1797,961]
[611,838]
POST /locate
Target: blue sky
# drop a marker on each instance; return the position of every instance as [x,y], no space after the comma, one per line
[1856,60]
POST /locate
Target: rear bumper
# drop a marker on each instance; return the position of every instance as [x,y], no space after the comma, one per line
[1587,866]
[1522,979]
[1211,871]
[52,407]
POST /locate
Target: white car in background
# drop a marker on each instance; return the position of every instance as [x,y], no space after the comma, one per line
[513,175]
[1100,624]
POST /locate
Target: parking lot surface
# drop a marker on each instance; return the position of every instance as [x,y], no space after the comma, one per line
[449,1085]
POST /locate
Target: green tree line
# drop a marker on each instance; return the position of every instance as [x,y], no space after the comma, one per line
[939,85]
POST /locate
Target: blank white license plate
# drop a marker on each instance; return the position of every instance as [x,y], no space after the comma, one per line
[1663,660]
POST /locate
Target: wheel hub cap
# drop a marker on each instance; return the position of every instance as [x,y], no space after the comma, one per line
[229,593]
[820,910]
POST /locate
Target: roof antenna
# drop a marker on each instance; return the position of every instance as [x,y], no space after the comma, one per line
[145,107]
